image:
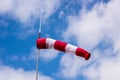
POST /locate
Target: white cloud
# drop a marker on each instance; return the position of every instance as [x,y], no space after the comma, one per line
[71,66]
[46,55]
[9,73]
[104,69]
[49,6]
[92,27]
[27,11]
[98,31]
[6,6]
[49,54]
[109,69]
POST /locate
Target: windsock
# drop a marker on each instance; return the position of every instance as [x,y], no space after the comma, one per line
[48,43]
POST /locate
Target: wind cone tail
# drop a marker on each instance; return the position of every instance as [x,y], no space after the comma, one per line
[83,53]
[87,56]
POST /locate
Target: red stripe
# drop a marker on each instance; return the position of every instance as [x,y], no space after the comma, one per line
[83,53]
[41,43]
[60,45]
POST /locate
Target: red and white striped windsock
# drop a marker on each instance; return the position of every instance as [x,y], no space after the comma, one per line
[47,43]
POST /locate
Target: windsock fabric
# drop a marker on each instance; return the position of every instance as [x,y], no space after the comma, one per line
[47,43]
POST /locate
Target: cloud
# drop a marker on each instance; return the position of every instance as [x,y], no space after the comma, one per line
[49,7]
[92,27]
[6,6]
[45,55]
[104,69]
[71,66]
[27,12]
[96,30]
[9,73]
[109,69]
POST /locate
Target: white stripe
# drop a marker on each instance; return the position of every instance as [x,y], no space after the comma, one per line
[50,42]
[70,48]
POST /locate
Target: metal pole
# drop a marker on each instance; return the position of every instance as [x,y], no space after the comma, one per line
[39,35]
[37,64]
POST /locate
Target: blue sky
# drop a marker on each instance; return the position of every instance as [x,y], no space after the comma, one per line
[91,24]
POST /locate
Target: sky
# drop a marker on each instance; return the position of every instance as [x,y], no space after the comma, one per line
[91,24]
